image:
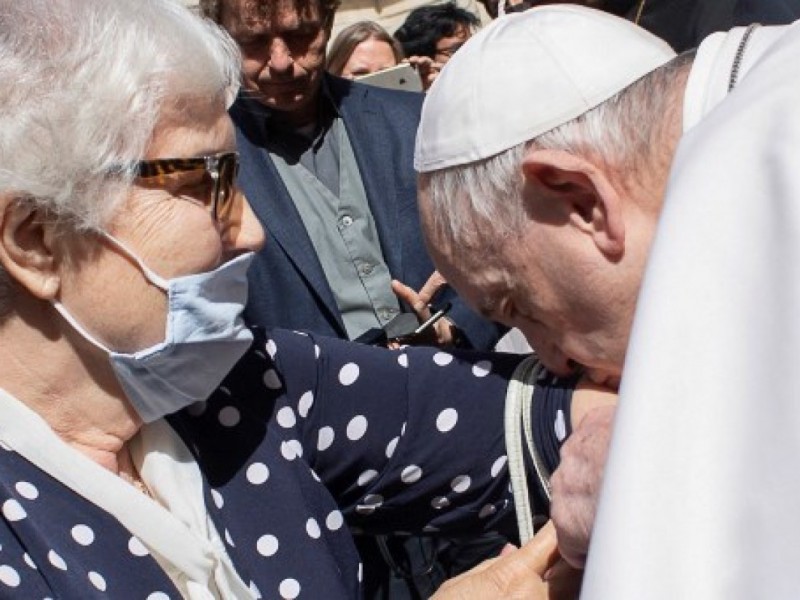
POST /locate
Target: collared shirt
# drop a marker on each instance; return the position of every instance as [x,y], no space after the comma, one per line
[319,169]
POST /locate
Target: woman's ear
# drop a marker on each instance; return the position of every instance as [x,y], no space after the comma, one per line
[585,194]
[27,247]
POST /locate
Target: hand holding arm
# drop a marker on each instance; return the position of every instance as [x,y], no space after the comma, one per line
[576,483]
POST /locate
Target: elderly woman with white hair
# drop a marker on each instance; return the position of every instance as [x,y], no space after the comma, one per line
[151,445]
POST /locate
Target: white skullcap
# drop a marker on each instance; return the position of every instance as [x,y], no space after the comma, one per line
[526,74]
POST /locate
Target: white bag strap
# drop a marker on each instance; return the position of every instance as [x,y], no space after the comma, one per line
[519,401]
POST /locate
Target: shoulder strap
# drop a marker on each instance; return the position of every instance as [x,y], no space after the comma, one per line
[519,401]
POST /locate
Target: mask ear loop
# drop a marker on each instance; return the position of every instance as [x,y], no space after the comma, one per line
[151,275]
[78,327]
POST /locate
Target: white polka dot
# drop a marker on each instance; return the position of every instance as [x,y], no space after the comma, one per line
[367,476]
[560,426]
[482,368]
[360,572]
[13,511]
[229,539]
[229,416]
[391,447]
[272,349]
[348,374]
[291,449]
[197,409]
[83,534]
[217,498]
[356,428]
[29,561]
[255,591]
[305,404]
[257,473]
[136,547]
[325,438]
[411,474]
[440,502]
[97,580]
[56,560]
[312,529]
[370,503]
[224,390]
[446,420]
[402,360]
[403,429]
[442,358]
[316,351]
[487,511]
[498,465]
[271,380]
[27,490]
[9,576]
[286,418]
[314,475]
[158,596]
[267,545]
[461,484]
[334,520]
[289,589]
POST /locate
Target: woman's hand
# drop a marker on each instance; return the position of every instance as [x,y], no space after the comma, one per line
[533,572]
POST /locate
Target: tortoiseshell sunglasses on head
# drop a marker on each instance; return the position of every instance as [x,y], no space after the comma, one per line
[222,168]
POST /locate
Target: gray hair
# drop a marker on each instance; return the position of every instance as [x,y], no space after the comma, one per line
[85,83]
[485,196]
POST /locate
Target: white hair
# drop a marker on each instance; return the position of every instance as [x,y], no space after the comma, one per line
[84,83]
[472,203]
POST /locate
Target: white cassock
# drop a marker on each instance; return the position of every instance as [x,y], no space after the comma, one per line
[701,498]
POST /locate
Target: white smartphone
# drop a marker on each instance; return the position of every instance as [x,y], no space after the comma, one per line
[400,77]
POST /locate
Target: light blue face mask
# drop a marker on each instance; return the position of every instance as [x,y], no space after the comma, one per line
[205,337]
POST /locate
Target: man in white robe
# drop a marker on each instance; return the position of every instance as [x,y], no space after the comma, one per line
[701,493]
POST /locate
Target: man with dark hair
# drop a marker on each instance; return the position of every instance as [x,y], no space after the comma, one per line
[436,31]
[326,164]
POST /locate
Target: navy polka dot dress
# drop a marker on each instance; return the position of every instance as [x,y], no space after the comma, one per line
[307,439]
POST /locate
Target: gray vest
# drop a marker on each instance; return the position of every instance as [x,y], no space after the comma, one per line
[343,233]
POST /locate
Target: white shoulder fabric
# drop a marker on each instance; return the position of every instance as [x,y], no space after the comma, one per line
[519,401]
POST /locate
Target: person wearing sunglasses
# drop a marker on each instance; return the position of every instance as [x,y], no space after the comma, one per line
[151,444]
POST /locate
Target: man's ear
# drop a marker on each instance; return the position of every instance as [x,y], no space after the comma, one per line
[587,197]
[27,240]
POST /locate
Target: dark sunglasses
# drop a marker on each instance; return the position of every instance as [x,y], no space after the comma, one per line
[221,168]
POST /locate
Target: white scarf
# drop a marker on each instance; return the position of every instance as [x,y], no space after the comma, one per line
[175,529]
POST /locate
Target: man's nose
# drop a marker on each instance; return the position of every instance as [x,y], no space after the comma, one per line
[280,57]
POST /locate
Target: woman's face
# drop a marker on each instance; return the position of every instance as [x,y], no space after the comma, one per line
[169,226]
[368,57]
